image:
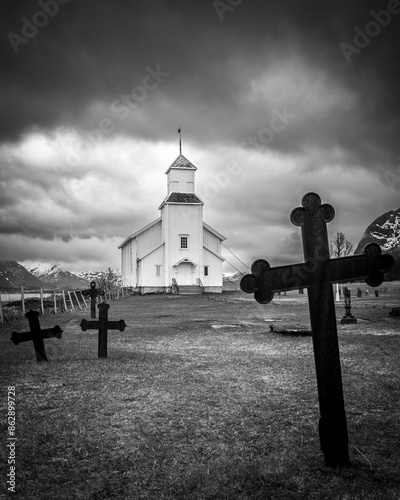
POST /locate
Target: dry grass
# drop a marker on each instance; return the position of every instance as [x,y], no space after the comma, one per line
[180,409]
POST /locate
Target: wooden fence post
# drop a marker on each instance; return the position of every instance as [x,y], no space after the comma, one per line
[83,298]
[55,303]
[23,300]
[41,301]
[1,312]
[65,302]
[79,304]
[70,299]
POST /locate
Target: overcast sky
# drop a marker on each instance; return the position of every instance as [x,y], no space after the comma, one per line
[274,98]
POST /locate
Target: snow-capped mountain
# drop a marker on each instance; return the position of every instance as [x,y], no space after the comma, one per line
[44,275]
[55,276]
[89,276]
[385,230]
[14,275]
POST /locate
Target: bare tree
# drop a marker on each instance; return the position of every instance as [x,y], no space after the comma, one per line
[109,279]
[340,246]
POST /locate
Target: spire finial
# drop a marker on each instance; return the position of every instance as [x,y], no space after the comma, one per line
[180,140]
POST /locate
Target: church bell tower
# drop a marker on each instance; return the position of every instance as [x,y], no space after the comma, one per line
[182,222]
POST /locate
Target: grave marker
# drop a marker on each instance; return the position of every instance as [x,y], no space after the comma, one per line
[317,274]
[395,312]
[348,318]
[36,334]
[93,293]
[103,325]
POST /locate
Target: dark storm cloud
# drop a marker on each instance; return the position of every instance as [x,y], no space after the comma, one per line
[93,52]
[265,84]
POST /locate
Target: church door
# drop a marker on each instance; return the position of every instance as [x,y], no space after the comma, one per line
[184,274]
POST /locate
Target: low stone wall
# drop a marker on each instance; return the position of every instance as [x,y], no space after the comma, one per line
[143,290]
[213,289]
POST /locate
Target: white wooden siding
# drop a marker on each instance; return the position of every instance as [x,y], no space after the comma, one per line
[128,263]
[178,180]
[184,220]
[148,268]
[149,239]
[211,241]
[214,264]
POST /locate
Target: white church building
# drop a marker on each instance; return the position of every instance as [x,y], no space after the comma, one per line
[177,252]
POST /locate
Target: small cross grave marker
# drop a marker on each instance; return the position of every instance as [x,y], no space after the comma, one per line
[348,318]
[317,274]
[103,325]
[36,334]
[93,292]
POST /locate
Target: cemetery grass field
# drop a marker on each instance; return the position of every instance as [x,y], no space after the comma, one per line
[199,400]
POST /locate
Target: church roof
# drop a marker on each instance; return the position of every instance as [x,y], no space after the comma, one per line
[182,198]
[181,162]
[212,230]
[136,233]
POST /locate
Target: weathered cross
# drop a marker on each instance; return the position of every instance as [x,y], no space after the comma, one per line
[93,293]
[317,273]
[103,325]
[37,335]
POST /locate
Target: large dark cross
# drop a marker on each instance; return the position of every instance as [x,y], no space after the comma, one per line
[317,273]
[93,293]
[103,325]
[37,335]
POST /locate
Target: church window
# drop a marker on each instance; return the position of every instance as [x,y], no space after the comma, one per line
[206,270]
[184,242]
[158,270]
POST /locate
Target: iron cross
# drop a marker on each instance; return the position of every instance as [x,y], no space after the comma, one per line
[36,334]
[317,273]
[93,293]
[103,325]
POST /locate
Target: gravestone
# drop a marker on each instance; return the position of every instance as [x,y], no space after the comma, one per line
[36,334]
[290,331]
[103,325]
[348,318]
[317,274]
[93,292]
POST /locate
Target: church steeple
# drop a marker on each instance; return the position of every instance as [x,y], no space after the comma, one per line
[180,176]
[180,182]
